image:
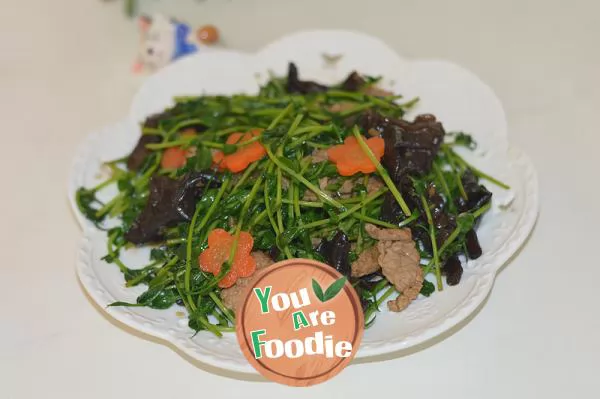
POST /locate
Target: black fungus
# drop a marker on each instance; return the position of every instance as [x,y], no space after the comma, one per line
[370,280]
[190,187]
[336,251]
[443,222]
[472,243]
[170,202]
[369,120]
[453,270]
[477,194]
[390,210]
[410,147]
[295,85]
[354,82]
[274,253]
[153,121]
[364,287]
[140,152]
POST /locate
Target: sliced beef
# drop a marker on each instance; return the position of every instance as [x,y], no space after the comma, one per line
[341,106]
[366,264]
[399,261]
[295,85]
[374,184]
[233,296]
[377,91]
[319,156]
[140,152]
[336,251]
[388,234]
[170,202]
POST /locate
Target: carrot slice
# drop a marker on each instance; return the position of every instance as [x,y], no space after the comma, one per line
[173,158]
[351,159]
[218,251]
[243,156]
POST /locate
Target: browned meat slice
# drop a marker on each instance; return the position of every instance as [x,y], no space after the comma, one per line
[319,156]
[341,106]
[374,184]
[323,183]
[233,296]
[140,152]
[346,187]
[377,91]
[388,234]
[400,265]
[309,196]
[399,260]
[366,263]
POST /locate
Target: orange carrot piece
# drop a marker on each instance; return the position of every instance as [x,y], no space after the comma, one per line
[173,158]
[351,159]
[218,252]
[244,156]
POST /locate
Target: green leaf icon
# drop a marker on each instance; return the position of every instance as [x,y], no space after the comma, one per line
[330,292]
[317,290]
[334,289]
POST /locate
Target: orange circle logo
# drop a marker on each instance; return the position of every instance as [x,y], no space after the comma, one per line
[301,322]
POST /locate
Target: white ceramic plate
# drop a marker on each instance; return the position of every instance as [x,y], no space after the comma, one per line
[457,97]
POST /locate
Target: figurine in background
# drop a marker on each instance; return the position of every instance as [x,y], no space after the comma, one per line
[165,40]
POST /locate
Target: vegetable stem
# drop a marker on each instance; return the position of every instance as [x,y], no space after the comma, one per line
[432,237]
[382,172]
[476,171]
[303,180]
[457,177]
[279,117]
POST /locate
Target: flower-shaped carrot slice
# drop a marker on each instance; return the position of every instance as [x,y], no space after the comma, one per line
[174,158]
[350,157]
[244,155]
[219,248]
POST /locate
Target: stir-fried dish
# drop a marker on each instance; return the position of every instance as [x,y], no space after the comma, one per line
[222,186]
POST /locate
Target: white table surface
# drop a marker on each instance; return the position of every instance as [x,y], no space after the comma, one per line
[64,70]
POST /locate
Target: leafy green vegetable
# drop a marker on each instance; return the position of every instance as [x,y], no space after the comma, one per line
[428,288]
[287,201]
